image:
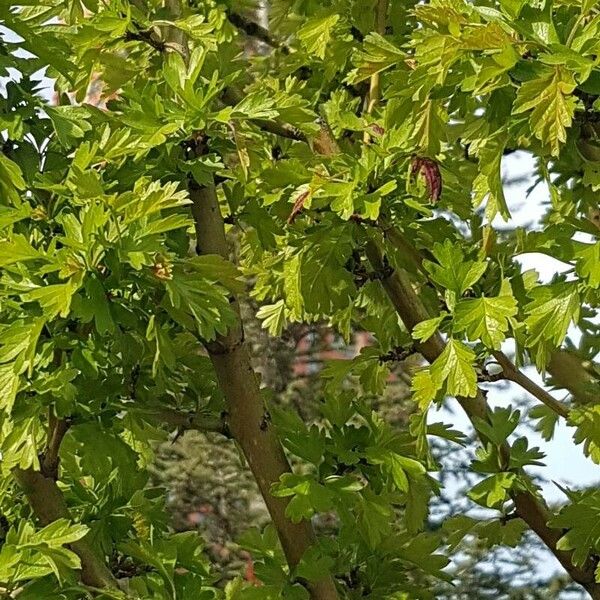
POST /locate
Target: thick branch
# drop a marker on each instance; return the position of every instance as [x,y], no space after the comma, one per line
[49,505]
[248,418]
[569,372]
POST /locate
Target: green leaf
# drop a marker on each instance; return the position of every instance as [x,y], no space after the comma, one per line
[493,532]
[588,264]
[17,250]
[425,329]
[69,123]
[552,309]
[273,317]
[205,302]
[485,319]
[99,304]
[424,388]
[59,533]
[9,384]
[455,368]
[54,299]
[308,496]
[417,503]
[399,467]
[316,33]
[453,271]
[586,419]
[430,127]
[11,181]
[513,7]
[10,216]
[580,520]
[324,283]
[547,420]
[551,104]
[500,423]
[488,183]
[376,55]
[373,518]
[493,491]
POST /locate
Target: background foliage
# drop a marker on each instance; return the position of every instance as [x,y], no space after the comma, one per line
[351,151]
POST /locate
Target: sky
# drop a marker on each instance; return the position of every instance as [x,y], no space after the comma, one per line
[565,461]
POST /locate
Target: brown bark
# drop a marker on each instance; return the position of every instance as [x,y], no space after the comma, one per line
[247,416]
[49,505]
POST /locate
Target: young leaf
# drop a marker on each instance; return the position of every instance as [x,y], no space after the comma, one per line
[485,319]
[455,367]
[552,105]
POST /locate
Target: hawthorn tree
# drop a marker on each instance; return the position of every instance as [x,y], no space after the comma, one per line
[340,166]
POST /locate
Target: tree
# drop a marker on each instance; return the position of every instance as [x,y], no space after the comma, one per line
[349,175]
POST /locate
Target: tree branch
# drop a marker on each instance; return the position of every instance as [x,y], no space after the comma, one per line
[57,428]
[147,37]
[375,86]
[252,29]
[568,371]
[48,505]
[186,421]
[513,374]
[231,97]
[248,419]
[412,311]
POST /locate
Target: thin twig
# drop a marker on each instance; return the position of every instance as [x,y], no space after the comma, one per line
[184,421]
[513,374]
[374,94]
[145,37]
[252,29]
[231,97]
